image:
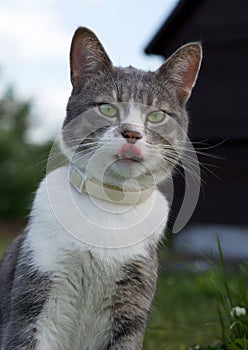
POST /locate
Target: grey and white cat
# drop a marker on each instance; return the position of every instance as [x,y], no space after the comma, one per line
[83,274]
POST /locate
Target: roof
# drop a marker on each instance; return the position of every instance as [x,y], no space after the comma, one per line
[218,104]
[179,16]
[210,21]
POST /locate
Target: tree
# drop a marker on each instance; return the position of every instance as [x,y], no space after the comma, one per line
[22,164]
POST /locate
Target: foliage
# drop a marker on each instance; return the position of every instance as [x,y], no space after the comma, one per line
[22,163]
[232,305]
[208,347]
[202,307]
[184,312]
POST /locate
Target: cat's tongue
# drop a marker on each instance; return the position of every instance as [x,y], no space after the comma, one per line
[131,151]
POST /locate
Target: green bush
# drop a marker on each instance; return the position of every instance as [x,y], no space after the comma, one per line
[23,163]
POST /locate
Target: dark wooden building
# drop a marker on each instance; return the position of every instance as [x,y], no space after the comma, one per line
[219,104]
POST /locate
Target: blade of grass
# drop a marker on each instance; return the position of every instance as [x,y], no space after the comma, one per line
[224,273]
[222,324]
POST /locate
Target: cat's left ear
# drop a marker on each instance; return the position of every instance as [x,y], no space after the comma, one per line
[87,58]
[181,70]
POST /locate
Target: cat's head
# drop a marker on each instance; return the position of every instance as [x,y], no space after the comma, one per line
[124,123]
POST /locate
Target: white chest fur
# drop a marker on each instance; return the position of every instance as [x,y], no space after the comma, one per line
[82,244]
[77,314]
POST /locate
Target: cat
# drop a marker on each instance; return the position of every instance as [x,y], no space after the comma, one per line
[83,273]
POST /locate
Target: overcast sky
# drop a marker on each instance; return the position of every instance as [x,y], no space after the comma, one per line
[35,38]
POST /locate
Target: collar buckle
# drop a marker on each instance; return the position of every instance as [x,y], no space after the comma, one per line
[76,178]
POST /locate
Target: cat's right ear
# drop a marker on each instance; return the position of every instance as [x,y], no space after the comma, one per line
[87,58]
[181,70]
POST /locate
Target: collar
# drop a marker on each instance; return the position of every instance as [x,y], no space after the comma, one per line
[106,192]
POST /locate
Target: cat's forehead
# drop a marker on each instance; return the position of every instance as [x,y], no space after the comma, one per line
[133,78]
[132,85]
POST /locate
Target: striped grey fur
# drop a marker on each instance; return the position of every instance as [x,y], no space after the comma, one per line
[23,292]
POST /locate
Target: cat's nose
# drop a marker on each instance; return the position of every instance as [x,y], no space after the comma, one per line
[131,136]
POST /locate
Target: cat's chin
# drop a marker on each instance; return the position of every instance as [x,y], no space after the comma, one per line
[123,170]
[128,167]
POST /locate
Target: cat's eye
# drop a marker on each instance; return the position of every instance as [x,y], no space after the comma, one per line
[108,110]
[156,117]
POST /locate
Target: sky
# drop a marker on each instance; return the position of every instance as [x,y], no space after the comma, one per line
[35,39]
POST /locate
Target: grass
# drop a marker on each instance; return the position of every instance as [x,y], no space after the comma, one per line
[206,310]
[185,312]
[192,310]
[4,243]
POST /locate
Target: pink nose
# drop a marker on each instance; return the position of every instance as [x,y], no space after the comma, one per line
[131,136]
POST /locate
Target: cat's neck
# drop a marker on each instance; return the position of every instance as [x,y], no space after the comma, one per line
[63,219]
[112,194]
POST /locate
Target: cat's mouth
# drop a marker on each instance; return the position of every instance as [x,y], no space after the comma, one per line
[130,152]
[129,160]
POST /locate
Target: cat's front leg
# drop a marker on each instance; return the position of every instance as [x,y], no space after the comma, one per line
[132,303]
[126,341]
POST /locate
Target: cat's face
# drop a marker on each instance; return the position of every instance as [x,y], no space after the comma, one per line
[124,123]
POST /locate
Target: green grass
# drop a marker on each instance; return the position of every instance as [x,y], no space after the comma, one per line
[4,243]
[185,312]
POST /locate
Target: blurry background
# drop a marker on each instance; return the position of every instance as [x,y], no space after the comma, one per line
[34,86]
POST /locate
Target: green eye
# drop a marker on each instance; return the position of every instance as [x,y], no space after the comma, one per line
[156,117]
[108,110]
